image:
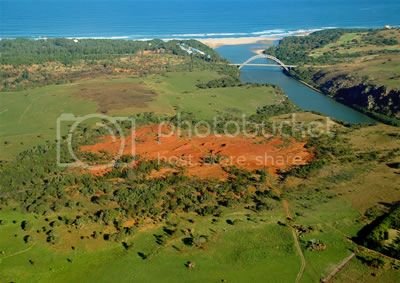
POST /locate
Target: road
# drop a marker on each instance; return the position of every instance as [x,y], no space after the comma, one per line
[285,206]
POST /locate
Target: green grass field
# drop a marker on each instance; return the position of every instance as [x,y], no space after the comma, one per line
[334,200]
[178,92]
[249,250]
[29,117]
[256,247]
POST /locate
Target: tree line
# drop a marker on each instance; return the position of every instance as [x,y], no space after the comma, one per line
[27,51]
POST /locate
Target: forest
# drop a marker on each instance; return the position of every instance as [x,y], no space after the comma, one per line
[26,63]
[378,236]
[26,52]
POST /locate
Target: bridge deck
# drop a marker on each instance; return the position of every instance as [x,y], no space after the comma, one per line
[264,56]
[264,65]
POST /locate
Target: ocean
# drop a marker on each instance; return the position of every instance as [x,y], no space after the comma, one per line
[145,19]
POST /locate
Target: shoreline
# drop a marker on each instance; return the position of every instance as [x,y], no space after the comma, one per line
[212,42]
[218,42]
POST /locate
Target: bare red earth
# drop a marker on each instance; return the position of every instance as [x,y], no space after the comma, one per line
[250,153]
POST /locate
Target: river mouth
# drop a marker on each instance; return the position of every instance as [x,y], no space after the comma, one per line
[304,97]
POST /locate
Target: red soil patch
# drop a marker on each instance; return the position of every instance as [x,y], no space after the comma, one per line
[206,157]
[129,223]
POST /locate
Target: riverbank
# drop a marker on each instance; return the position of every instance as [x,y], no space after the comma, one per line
[300,94]
[303,82]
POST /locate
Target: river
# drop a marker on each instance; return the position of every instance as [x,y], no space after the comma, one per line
[301,95]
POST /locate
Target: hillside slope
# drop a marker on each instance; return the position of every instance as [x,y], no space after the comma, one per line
[359,68]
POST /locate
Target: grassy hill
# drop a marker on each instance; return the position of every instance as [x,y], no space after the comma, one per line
[358,67]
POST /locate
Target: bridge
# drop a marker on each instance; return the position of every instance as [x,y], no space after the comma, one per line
[264,56]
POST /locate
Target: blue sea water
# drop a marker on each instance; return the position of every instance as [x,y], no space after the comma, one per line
[187,18]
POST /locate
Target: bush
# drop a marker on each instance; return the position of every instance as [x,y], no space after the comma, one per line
[27,239]
[371,261]
[221,82]
[25,225]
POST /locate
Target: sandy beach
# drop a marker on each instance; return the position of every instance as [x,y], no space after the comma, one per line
[258,51]
[217,42]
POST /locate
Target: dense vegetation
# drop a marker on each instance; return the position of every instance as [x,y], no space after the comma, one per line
[28,63]
[295,50]
[48,190]
[232,81]
[27,52]
[377,235]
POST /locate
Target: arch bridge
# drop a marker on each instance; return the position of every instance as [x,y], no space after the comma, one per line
[265,56]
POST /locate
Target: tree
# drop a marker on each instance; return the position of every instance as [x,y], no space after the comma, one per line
[27,239]
[25,225]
